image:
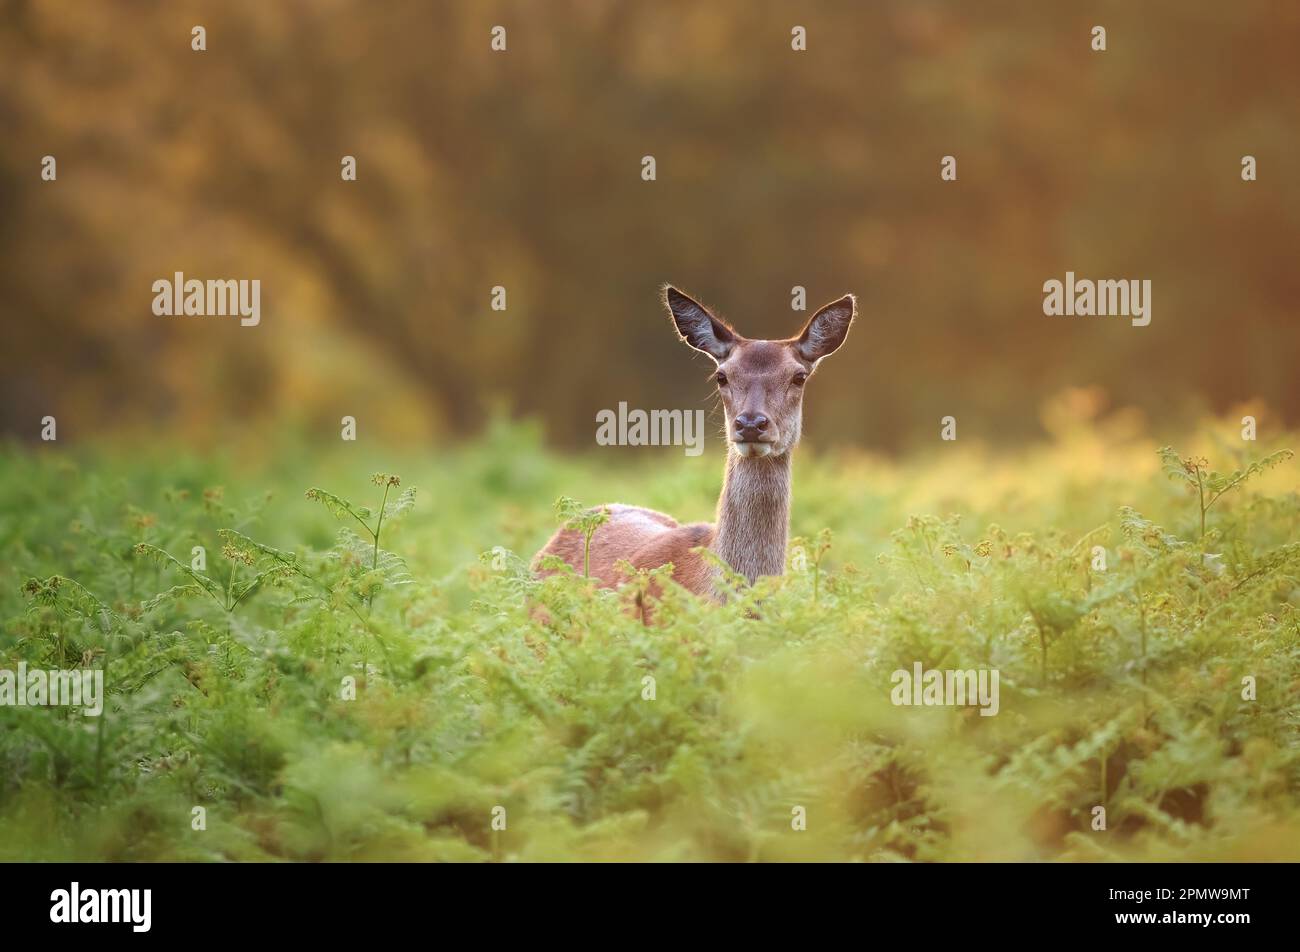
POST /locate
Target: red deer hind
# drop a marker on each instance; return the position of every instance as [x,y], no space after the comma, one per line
[761,383]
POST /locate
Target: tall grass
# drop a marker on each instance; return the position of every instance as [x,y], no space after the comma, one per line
[1122,628]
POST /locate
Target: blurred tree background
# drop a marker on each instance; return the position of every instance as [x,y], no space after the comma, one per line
[522,169]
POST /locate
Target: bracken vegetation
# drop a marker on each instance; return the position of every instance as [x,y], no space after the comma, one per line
[1124,593]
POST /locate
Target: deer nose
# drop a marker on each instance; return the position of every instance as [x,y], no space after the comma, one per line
[749,426]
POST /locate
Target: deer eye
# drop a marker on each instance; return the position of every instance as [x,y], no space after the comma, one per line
[799,378]
[721,378]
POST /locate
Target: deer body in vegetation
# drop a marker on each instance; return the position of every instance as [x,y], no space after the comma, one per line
[761,385]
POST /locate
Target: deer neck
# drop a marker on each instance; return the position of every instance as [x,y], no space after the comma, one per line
[754,514]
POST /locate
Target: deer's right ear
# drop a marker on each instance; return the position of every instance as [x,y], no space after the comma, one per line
[697,326]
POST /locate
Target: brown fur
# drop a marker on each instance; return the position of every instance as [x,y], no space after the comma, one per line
[646,538]
[761,386]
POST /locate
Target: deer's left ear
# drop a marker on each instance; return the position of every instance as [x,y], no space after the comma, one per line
[826,329]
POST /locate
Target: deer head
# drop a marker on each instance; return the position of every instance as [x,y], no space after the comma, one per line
[761,382]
